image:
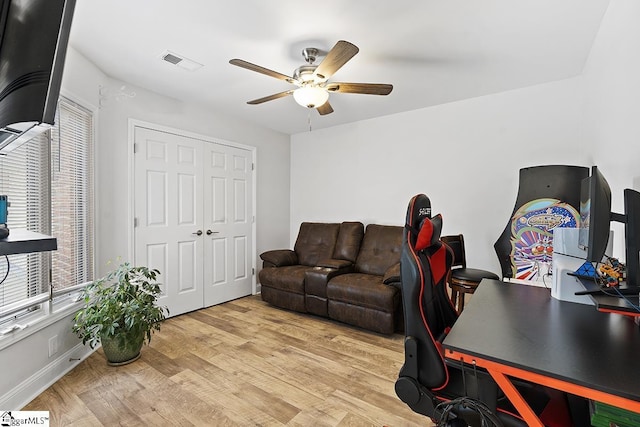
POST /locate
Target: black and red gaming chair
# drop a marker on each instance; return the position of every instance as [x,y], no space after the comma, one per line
[427,381]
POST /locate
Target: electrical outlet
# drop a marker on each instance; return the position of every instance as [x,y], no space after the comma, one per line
[53,345]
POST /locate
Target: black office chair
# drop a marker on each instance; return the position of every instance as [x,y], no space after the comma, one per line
[463,280]
[428,383]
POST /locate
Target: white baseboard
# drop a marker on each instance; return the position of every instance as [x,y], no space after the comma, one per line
[29,389]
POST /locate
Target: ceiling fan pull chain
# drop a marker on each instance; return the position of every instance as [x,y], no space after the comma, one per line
[309,118]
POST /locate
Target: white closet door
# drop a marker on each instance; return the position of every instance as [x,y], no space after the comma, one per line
[169,213]
[193,209]
[228,223]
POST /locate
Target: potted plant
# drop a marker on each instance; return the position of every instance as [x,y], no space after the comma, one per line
[120,312]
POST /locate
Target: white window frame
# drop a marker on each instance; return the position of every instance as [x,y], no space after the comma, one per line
[43,309]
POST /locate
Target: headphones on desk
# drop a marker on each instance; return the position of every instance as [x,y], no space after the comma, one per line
[446,418]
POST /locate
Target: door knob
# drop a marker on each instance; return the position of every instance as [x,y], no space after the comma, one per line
[198,233]
[209,232]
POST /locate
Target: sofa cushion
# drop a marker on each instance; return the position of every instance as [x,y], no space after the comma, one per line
[316,241]
[363,317]
[363,290]
[284,299]
[349,240]
[380,249]
[289,278]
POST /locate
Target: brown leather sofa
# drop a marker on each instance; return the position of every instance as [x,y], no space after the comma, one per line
[282,277]
[334,271]
[367,296]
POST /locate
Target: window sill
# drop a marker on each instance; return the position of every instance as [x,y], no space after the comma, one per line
[28,325]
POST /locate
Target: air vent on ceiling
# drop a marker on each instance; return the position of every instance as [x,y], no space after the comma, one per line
[180,61]
[172,58]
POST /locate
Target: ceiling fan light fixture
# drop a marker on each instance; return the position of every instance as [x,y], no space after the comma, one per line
[311,96]
[305,74]
[313,80]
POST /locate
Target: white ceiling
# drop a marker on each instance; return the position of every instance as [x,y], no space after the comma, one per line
[432,51]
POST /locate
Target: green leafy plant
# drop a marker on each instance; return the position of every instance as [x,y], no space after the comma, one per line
[121,305]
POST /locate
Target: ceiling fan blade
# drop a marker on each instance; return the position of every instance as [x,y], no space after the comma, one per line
[364,88]
[342,52]
[253,67]
[270,97]
[325,109]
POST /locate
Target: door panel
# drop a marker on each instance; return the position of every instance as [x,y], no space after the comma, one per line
[240,199]
[168,180]
[218,197]
[219,258]
[156,256]
[156,190]
[241,267]
[227,250]
[187,266]
[187,200]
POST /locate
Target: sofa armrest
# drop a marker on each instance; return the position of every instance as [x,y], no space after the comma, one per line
[316,279]
[334,263]
[279,258]
[392,275]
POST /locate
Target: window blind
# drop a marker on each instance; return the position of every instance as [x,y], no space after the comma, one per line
[72,195]
[49,184]
[24,178]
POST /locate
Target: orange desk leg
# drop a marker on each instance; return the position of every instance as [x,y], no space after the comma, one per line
[499,373]
[516,399]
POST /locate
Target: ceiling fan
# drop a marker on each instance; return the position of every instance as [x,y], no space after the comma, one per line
[312,80]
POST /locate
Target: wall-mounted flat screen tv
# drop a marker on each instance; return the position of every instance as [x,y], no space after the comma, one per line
[33,42]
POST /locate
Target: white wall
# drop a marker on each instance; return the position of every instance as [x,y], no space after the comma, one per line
[465,156]
[612,93]
[27,367]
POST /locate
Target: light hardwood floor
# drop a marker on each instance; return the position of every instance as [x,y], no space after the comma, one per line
[240,363]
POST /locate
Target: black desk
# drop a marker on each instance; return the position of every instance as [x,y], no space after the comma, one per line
[520,331]
[613,303]
[22,241]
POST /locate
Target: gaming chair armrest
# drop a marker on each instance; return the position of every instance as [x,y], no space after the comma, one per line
[279,258]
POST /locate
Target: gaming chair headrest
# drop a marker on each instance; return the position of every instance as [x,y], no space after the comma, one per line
[419,209]
[429,233]
[425,231]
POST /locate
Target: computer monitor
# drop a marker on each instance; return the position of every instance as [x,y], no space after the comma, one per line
[632,236]
[596,215]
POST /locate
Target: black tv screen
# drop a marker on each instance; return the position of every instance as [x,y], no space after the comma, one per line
[33,41]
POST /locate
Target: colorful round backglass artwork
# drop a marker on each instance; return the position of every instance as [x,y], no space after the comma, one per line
[532,236]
